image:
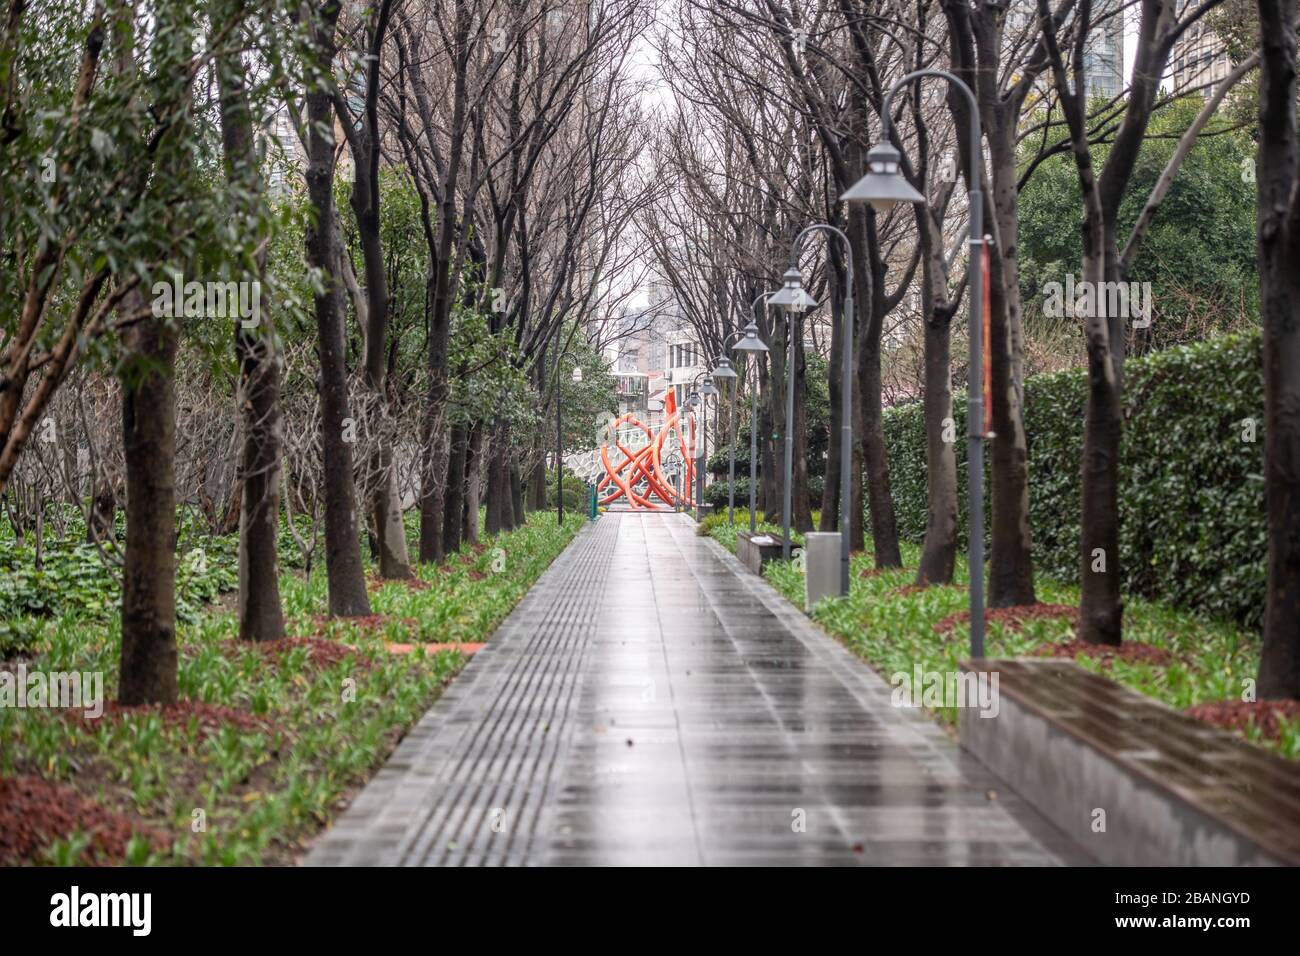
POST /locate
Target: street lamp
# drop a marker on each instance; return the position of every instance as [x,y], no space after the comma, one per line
[846,387]
[883,186]
[559,439]
[703,392]
[791,297]
[693,402]
[722,370]
[749,342]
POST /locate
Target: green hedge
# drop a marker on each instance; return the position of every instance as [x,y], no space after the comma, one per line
[577,493]
[1192,490]
[716,493]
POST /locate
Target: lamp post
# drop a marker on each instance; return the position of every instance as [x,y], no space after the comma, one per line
[795,301]
[706,391]
[559,440]
[883,186]
[693,401]
[846,387]
[722,370]
[749,342]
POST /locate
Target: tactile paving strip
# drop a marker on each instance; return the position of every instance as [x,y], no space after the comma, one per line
[467,784]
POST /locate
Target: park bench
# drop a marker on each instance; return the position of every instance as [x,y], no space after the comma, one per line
[1129,780]
[756,549]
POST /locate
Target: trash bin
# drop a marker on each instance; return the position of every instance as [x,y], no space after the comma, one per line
[821,566]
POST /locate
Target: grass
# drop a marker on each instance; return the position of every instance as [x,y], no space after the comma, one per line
[894,630]
[309,731]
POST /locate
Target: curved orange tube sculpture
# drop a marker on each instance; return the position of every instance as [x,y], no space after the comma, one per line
[646,463]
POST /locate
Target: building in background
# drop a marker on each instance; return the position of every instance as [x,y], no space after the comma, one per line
[1104,54]
[1199,59]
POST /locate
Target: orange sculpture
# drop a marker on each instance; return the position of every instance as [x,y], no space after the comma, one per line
[646,463]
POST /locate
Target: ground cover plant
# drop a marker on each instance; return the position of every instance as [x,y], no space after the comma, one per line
[1191,663]
[268,740]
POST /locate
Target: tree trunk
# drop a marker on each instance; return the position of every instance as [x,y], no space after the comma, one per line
[498,485]
[103,511]
[880,502]
[772,421]
[440,297]
[537,485]
[257,479]
[346,576]
[261,617]
[453,521]
[831,481]
[148,667]
[1011,567]
[1101,608]
[939,554]
[800,503]
[1279,261]
[474,484]
[516,497]
[390,531]
[433,500]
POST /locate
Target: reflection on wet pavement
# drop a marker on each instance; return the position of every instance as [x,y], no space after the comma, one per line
[652,702]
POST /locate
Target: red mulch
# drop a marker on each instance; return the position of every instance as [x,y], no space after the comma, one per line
[320,652]
[1011,617]
[1134,652]
[907,590]
[414,583]
[1267,715]
[211,717]
[35,812]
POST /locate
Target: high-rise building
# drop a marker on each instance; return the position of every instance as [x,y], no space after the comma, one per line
[1199,60]
[1104,55]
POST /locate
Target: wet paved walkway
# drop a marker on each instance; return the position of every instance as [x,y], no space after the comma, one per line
[649,702]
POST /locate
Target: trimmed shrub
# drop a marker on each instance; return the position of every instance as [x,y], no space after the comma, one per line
[1191,475]
[716,493]
[720,461]
[577,493]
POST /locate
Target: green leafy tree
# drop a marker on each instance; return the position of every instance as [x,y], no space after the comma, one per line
[1199,254]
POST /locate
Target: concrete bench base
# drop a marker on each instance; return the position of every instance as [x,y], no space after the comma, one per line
[754,555]
[1132,782]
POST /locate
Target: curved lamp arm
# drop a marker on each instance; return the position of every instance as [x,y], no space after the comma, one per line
[796,247]
[976,153]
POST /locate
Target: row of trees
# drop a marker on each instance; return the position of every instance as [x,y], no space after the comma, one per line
[427,202]
[775,105]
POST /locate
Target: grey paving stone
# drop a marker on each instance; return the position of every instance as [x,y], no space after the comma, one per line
[652,702]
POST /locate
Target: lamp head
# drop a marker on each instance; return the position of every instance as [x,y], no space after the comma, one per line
[750,342]
[722,368]
[791,296]
[884,185]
